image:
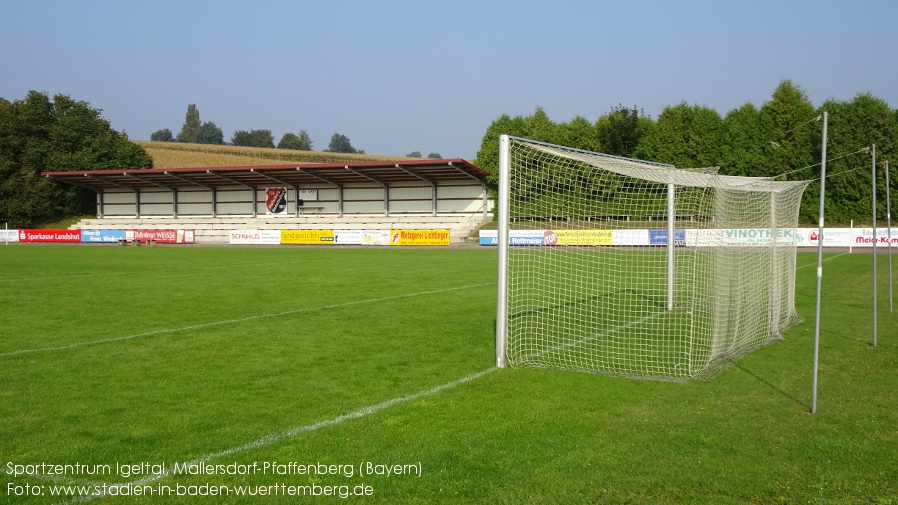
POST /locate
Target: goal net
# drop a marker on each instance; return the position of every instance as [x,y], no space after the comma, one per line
[625,267]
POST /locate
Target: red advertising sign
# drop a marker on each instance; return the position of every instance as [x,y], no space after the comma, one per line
[49,235]
[161,236]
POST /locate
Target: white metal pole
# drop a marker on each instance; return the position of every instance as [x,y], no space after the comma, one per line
[819,266]
[671,230]
[875,239]
[504,218]
[851,237]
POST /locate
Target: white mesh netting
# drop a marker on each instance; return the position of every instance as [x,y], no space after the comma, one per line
[594,284]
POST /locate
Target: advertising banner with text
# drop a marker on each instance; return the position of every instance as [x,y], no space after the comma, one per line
[847,237]
[307,237]
[581,237]
[102,236]
[419,237]
[9,235]
[162,236]
[361,237]
[731,237]
[254,237]
[50,236]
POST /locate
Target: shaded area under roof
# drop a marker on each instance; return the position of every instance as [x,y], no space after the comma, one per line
[433,171]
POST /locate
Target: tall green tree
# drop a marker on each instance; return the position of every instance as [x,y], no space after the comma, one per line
[305,141]
[39,134]
[578,133]
[785,123]
[537,126]
[340,144]
[745,149]
[191,125]
[301,142]
[163,135]
[488,154]
[853,126]
[289,141]
[618,132]
[209,133]
[687,136]
[253,138]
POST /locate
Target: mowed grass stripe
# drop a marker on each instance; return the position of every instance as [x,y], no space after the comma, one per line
[168,287]
[235,321]
[183,394]
[274,438]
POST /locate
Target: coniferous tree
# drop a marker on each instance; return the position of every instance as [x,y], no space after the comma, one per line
[340,144]
[191,127]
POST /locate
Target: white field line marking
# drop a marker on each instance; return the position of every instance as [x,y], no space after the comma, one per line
[608,332]
[241,320]
[277,437]
[815,264]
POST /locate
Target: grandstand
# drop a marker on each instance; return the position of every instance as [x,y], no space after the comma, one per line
[384,195]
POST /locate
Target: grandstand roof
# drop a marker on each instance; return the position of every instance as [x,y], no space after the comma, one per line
[429,170]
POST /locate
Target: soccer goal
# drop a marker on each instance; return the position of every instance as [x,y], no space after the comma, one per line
[626,267]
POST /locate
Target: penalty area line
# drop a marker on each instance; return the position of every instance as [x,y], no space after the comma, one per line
[277,437]
[239,320]
[815,263]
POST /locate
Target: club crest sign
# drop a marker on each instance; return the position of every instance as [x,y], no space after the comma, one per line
[276,201]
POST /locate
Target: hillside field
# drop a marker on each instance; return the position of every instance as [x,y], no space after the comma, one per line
[181,155]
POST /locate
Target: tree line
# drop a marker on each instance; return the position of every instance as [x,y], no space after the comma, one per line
[207,132]
[42,134]
[782,138]
[198,132]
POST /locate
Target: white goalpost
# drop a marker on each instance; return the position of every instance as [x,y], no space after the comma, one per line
[626,267]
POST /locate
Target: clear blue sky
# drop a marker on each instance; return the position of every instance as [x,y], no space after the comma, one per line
[397,76]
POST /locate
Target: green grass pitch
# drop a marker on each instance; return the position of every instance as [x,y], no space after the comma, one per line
[369,371]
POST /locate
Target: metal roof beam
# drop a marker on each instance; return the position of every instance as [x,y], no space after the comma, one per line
[154,183]
[188,180]
[107,181]
[275,179]
[472,176]
[366,176]
[318,176]
[415,174]
[230,179]
[74,183]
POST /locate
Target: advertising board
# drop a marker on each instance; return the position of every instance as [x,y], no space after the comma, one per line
[419,237]
[307,237]
[254,237]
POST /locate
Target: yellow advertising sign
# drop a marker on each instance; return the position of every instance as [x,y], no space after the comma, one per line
[307,237]
[583,237]
[419,237]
